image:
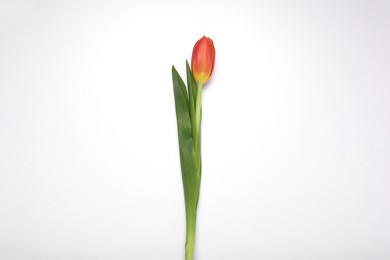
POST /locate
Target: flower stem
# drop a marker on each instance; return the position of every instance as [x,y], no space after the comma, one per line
[190,233]
[192,195]
[198,111]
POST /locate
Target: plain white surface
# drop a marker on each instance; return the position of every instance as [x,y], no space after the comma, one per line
[296,130]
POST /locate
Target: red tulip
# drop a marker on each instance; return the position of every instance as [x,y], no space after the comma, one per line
[203,58]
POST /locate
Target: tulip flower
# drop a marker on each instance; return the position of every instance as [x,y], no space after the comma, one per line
[203,58]
[188,104]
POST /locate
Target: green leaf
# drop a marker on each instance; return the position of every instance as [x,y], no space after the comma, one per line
[192,90]
[181,103]
[189,160]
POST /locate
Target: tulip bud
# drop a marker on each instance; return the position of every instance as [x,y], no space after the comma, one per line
[203,58]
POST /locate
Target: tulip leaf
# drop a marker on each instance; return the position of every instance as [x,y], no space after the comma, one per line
[185,103]
[181,104]
[188,158]
[192,91]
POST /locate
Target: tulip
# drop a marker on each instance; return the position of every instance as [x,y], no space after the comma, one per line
[203,58]
[188,103]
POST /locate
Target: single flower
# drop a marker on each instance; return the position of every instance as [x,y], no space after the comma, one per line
[188,103]
[203,59]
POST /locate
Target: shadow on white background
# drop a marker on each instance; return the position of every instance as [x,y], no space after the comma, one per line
[296,143]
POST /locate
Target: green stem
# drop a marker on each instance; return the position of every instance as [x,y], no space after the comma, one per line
[190,233]
[193,194]
[198,110]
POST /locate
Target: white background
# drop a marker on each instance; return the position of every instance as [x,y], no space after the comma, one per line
[296,130]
